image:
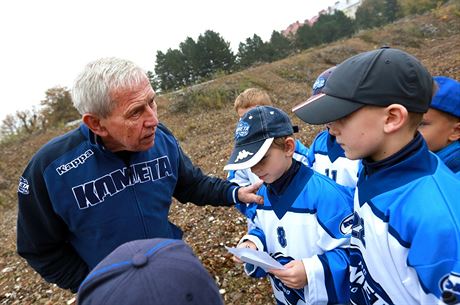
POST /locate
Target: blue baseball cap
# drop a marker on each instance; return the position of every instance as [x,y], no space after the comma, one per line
[447,98]
[255,133]
[150,271]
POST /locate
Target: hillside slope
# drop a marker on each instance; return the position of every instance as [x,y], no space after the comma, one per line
[203,120]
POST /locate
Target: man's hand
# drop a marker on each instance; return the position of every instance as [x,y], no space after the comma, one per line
[294,276]
[247,194]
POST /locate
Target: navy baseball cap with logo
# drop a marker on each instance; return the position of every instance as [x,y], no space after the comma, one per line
[150,271]
[447,98]
[380,78]
[254,134]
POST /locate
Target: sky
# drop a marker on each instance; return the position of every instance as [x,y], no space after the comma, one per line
[46,43]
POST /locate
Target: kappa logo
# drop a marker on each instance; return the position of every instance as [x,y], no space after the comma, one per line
[23,186]
[242,130]
[62,169]
[243,155]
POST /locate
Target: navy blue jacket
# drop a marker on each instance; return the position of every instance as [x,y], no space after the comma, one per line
[79,201]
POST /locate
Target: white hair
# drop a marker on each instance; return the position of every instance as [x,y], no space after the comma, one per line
[92,89]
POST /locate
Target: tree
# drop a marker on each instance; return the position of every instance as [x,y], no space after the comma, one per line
[254,50]
[306,37]
[375,13]
[330,28]
[190,50]
[279,46]
[58,107]
[214,54]
[170,70]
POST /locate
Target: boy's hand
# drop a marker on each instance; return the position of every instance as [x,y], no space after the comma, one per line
[247,194]
[245,244]
[294,276]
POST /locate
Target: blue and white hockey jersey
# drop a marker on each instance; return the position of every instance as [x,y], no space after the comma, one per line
[328,158]
[405,237]
[310,220]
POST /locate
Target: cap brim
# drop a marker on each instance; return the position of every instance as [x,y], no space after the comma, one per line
[323,108]
[246,156]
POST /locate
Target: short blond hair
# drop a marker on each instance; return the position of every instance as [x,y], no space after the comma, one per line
[252,97]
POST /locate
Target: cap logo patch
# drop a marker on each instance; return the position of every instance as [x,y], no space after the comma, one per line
[319,83]
[243,155]
[242,130]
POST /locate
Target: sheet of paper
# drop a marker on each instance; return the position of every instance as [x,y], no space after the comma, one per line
[258,258]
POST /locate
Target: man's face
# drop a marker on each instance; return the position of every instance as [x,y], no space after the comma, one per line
[132,123]
[438,129]
[360,133]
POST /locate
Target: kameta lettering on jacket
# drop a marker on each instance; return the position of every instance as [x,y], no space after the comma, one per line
[94,192]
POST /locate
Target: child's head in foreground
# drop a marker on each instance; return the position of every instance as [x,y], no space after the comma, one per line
[251,98]
[264,143]
[372,103]
[441,124]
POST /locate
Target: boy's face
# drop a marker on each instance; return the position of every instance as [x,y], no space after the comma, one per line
[360,134]
[273,165]
[439,129]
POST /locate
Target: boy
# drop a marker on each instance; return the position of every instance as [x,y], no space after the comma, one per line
[306,217]
[441,124]
[405,206]
[245,101]
[326,156]
[150,271]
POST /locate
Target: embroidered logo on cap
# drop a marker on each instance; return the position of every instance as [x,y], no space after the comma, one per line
[242,130]
[243,155]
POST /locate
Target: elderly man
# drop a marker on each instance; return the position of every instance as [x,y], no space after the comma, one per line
[109,181]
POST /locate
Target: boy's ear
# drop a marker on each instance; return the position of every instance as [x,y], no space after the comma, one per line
[94,123]
[455,135]
[396,117]
[289,145]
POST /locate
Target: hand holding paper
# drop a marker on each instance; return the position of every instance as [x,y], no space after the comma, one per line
[257,258]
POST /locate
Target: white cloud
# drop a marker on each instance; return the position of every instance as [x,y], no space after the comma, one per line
[46,43]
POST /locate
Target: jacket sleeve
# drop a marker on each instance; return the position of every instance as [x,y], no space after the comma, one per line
[42,236]
[328,271]
[198,188]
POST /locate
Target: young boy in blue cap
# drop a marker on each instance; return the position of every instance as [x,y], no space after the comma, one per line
[305,220]
[406,200]
[441,124]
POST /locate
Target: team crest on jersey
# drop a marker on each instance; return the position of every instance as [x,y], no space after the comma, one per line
[451,283]
[242,130]
[346,225]
[23,186]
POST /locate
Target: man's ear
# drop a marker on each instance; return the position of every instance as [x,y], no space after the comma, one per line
[396,116]
[455,135]
[94,123]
